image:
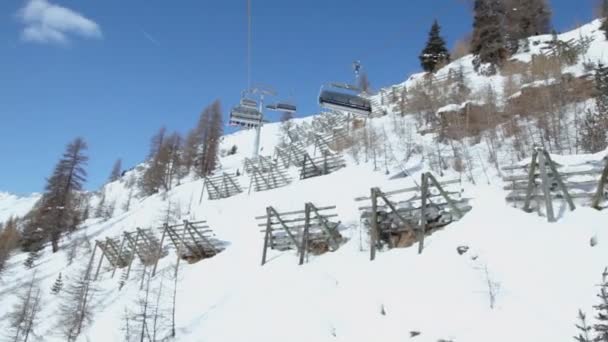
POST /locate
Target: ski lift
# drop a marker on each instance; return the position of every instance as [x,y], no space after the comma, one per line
[344,97]
[246,114]
[282,107]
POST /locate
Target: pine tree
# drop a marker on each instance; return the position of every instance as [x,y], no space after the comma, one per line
[116,171]
[526,18]
[595,123]
[76,310]
[488,44]
[435,53]
[601,87]
[601,327]
[58,285]
[32,256]
[24,316]
[58,203]
[584,328]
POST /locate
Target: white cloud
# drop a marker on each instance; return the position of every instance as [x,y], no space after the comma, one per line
[49,23]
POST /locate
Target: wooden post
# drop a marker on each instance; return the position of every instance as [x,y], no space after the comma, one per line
[560,183]
[444,194]
[103,254]
[546,190]
[325,162]
[305,233]
[267,235]
[91,261]
[160,249]
[599,193]
[422,230]
[530,189]
[122,243]
[373,236]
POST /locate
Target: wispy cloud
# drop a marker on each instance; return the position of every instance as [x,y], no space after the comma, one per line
[45,22]
[149,37]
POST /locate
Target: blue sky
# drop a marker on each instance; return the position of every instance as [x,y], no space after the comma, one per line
[114,71]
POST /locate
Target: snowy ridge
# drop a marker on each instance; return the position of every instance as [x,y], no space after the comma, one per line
[15,206]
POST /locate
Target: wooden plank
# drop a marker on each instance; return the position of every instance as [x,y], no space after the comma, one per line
[300,219]
[558,178]
[422,231]
[297,212]
[601,188]
[545,187]
[374,224]
[401,191]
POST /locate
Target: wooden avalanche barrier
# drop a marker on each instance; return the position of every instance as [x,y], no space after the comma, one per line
[403,217]
[266,174]
[311,230]
[321,166]
[193,241]
[542,181]
[222,186]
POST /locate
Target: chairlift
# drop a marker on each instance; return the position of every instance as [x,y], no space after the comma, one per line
[282,107]
[246,114]
[340,99]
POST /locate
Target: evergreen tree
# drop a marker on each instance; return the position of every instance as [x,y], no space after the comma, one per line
[488,44]
[23,318]
[435,53]
[601,328]
[32,256]
[58,203]
[601,86]
[595,124]
[76,310]
[116,171]
[526,18]
[58,285]
[584,328]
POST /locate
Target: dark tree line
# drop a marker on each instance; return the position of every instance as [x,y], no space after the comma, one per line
[171,157]
[500,26]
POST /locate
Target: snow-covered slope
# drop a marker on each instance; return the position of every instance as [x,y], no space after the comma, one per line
[15,206]
[540,274]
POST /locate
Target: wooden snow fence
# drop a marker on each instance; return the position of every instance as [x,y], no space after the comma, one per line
[193,241]
[312,230]
[290,154]
[321,166]
[142,243]
[222,186]
[118,254]
[266,174]
[542,182]
[403,217]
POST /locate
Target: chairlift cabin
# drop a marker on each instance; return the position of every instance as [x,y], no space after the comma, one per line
[283,107]
[246,114]
[340,99]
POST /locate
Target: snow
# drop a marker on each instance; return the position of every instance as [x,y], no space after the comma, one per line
[542,273]
[15,206]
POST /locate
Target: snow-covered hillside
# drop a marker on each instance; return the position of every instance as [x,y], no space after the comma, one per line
[16,206]
[540,273]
